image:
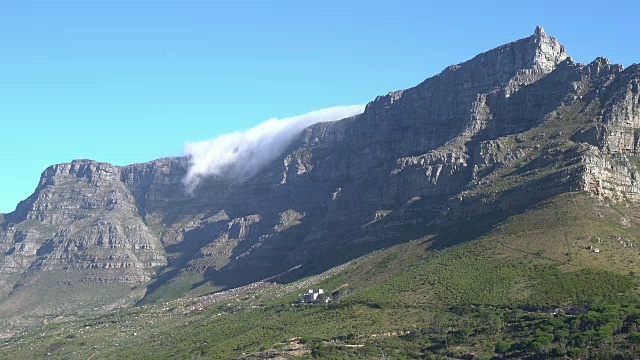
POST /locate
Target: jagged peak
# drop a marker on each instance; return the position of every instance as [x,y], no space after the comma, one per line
[548,50]
[508,66]
[602,66]
[601,61]
[539,52]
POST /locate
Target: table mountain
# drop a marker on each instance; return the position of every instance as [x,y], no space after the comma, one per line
[493,135]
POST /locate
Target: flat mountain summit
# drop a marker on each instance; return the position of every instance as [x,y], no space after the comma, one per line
[478,143]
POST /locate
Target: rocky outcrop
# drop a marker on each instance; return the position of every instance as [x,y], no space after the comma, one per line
[81,217]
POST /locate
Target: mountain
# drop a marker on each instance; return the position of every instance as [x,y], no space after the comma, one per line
[450,159]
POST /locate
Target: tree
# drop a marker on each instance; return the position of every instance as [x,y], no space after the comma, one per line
[634,339]
[542,344]
[502,347]
[466,333]
[575,353]
[558,352]
[604,334]
[561,334]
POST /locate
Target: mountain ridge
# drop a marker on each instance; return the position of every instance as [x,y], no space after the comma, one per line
[504,130]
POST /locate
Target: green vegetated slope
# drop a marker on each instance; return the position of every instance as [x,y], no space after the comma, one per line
[491,295]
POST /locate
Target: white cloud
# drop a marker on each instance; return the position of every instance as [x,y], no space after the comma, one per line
[240,155]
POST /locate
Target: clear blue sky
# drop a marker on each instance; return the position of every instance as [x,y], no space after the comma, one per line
[130,81]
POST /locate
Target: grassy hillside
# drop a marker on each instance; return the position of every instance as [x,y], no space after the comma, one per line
[492,295]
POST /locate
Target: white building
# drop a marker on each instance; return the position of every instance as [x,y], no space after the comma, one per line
[312,296]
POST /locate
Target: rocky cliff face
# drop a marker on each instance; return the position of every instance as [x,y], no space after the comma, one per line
[506,129]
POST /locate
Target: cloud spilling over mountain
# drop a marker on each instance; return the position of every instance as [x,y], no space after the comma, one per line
[240,155]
